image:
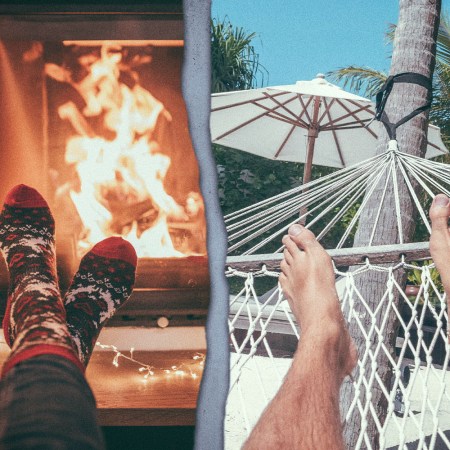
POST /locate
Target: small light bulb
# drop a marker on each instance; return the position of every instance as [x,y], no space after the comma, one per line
[163,322]
[116,360]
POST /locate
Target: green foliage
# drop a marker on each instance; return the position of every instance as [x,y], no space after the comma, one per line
[415,278]
[245,179]
[234,61]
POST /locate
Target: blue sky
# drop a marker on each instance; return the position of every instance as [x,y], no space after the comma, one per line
[299,38]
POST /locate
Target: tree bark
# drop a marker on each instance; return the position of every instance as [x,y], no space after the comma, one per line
[414,50]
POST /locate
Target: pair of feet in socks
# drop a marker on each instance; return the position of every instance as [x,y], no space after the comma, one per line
[37,320]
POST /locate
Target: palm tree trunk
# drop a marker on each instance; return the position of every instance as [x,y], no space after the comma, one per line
[414,50]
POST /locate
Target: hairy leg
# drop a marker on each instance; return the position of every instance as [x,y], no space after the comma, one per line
[440,240]
[305,411]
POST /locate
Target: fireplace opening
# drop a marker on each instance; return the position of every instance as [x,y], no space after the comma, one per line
[119,162]
[99,126]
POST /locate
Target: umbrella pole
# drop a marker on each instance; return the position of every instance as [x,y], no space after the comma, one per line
[313,132]
[309,158]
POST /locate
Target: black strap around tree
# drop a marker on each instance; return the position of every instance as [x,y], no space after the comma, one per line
[383,94]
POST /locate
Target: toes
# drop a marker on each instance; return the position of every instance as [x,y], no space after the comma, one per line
[439,213]
[287,256]
[302,237]
[291,247]
[283,284]
[284,267]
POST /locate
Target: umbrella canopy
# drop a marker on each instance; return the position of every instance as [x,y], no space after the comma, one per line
[310,122]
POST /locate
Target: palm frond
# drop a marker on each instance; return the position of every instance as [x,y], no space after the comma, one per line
[390,33]
[363,80]
[234,61]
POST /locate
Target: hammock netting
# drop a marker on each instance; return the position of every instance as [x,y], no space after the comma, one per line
[264,334]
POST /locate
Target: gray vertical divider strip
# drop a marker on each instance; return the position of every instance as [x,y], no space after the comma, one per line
[196,90]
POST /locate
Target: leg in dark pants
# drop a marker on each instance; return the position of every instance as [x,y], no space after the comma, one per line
[46,403]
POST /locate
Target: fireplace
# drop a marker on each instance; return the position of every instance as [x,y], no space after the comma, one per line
[93,116]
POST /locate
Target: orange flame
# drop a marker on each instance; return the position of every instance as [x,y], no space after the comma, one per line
[123,174]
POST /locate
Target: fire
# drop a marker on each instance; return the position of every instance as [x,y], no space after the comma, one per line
[120,172]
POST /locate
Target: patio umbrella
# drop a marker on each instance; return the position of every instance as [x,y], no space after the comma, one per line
[309,122]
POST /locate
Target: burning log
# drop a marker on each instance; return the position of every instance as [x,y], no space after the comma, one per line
[123,216]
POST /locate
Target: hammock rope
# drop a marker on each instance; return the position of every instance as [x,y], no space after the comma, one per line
[332,196]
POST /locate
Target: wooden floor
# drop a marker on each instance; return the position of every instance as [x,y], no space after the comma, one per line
[125,399]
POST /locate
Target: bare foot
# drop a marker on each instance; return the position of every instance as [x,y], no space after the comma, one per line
[308,282]
[440,239]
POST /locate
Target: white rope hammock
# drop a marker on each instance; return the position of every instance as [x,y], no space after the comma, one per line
[333,195]
[418,409]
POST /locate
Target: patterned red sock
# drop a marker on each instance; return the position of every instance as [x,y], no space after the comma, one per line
[35,319]
[102,284]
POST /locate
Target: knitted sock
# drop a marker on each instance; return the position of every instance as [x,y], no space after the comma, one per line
[35,319]
[102,284]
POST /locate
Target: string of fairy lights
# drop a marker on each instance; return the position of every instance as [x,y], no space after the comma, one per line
[192,369]
[148,371]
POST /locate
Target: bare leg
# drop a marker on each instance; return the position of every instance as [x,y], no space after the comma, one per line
[305,412]
[440,240]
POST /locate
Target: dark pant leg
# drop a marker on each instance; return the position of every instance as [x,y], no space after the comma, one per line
[46,403]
